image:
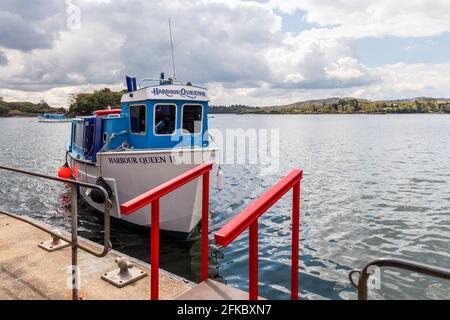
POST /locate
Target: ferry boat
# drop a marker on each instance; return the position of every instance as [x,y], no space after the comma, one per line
[160,131]
[53,117]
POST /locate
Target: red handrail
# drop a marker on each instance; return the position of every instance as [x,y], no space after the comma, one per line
[106,112]
[248,218]
[152,197]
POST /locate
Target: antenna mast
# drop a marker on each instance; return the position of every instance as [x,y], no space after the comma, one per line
[173,57]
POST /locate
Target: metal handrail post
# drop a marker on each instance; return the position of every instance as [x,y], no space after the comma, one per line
[295,240]
[106,225]
[253,261]
[154,248]
[205,239]
[74,213]
[73,241]
[153,197]
[248,219]
[394,263]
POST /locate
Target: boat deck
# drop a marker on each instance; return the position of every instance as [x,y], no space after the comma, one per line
[28,272]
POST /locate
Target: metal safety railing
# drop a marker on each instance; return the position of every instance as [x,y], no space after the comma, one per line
[152,198]
[364,274]
[248,218]
[73,240]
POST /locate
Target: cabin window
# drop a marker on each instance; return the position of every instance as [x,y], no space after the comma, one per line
[192,119]
[78,135]
[137,119]
[165,119]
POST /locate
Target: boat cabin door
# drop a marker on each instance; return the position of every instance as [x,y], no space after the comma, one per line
[92,138]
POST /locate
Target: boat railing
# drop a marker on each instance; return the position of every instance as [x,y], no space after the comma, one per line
[152,198]
[362,283]
[172,81]
[73,240]
[248,218]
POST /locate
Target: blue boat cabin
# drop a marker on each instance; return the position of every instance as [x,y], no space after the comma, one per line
[165,116]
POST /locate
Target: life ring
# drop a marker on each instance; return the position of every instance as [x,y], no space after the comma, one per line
[100,113]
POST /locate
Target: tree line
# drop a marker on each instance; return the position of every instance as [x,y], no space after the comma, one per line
[11,109]
[84,104]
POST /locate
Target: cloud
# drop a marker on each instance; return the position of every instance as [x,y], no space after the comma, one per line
[310,63]
[218,39]
[372,18]
[235,47]
[3,59]
[394,82]
[15,33]
[232,42]
[402,80]
[28,25]
[56,97]
[36,10]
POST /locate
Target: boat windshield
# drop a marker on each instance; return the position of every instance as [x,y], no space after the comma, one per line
[165,119]
[137,119]
[192,119]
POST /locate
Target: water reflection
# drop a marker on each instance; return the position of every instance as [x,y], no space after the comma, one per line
[374,186]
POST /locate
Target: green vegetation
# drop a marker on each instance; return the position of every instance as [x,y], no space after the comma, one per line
[345,105]
[86,103]
[82,104]
[26,109]
[3,111]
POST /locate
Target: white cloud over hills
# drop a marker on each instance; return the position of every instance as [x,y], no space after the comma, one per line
[238,49]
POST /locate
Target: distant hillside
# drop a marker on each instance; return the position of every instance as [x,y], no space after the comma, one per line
[330,101]
[26,109]
[345,105]
[86,103]
[419,99]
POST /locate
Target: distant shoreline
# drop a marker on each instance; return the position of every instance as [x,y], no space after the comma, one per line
[277,113]
[343,106]
[87,103]
[325,113]
[21,116]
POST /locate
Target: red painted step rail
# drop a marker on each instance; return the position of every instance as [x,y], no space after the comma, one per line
[153,197]
[248,218]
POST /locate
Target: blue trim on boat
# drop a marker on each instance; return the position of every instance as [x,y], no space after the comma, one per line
[91,135]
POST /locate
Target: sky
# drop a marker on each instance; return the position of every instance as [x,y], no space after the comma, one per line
[261,53]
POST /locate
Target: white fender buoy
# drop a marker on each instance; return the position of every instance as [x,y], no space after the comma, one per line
[219,179]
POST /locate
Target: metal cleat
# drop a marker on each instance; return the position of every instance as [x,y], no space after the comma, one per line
[125,274]
[55,244]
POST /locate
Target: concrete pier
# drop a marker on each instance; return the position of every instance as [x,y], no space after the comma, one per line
[28,272]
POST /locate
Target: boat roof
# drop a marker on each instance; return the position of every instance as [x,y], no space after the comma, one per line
[167,92]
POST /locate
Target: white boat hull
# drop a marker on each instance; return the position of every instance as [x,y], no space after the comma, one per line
[132,173]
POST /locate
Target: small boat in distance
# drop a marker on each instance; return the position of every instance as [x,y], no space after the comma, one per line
[160,132]
[53,118]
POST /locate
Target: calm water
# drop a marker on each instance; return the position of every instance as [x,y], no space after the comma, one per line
[374,186]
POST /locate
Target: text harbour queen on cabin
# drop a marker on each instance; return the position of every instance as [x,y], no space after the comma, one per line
[160,132]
